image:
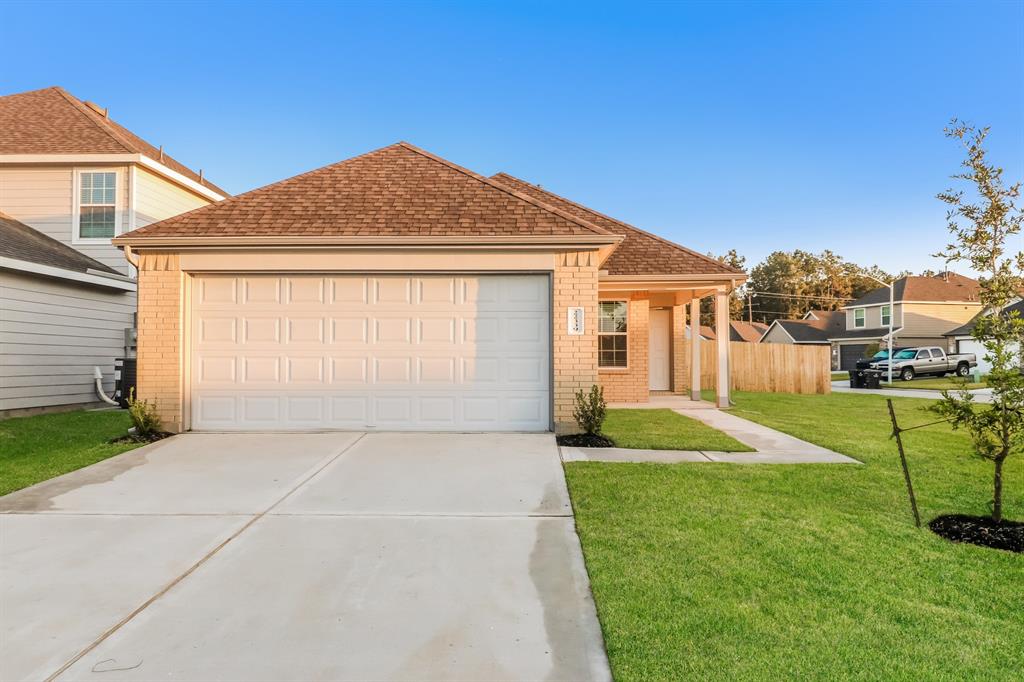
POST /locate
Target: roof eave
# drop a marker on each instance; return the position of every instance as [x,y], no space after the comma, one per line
[302,241]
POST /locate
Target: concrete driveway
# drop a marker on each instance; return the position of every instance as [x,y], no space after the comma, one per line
[301,557]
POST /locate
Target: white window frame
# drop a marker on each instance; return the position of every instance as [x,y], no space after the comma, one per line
[76,211]
[624,334]
[886,315]
[859,322]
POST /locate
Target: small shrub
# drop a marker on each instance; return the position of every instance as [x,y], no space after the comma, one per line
[590,410]
[144,417]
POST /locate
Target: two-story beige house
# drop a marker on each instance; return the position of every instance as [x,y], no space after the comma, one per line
[71,179]
[923,310]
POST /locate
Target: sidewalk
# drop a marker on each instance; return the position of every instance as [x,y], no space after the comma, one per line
[981,395]
[771,446]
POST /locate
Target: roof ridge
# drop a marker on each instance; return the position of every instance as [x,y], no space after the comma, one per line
[92,117]
[619,222]
[507,190]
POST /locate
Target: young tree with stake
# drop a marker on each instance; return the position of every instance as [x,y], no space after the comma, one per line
[980,238]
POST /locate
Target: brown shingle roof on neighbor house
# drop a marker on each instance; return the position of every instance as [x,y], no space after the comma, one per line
[947,286]
[395,191]
[640,253]
[20,242]
[53,121]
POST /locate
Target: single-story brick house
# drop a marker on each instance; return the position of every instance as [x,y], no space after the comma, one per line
[399,291]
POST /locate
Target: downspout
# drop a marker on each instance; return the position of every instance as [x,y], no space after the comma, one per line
[98,375]
[131,257]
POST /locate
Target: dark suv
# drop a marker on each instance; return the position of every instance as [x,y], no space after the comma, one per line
[865,363]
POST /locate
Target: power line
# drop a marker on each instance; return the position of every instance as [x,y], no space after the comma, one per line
[803,296]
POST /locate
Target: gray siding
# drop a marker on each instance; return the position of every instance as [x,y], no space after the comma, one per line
[52,333]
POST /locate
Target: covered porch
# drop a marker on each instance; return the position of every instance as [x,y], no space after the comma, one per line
[647,354]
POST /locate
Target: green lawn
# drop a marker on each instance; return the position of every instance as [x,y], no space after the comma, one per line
[840,376]
[719,571]
[665,430]
[33,449]
[937,384]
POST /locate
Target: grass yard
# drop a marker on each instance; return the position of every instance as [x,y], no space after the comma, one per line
[719,571]
[33,449]
[937,384]
[665,430]
[840,376]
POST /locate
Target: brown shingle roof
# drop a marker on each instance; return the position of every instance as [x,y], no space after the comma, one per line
[21,242]
[53,121]
[640,253]
[396,191]
[942,287]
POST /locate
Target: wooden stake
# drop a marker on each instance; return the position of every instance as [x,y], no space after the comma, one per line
[903,460]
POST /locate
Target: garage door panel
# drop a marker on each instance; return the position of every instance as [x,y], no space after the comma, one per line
[365,352]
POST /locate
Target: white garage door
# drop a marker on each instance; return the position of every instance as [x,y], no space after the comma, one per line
[463,353]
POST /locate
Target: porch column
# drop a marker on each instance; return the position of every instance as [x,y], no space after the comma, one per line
[695,349]
[722,341]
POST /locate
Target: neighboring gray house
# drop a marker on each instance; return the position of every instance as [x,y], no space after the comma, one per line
[71,179]
[924,309]
[63,314]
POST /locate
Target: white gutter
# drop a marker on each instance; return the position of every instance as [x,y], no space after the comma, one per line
[303,241]
[90,277]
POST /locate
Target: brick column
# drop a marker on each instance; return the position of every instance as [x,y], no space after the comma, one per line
[680,358]
[160,366]
[574,284]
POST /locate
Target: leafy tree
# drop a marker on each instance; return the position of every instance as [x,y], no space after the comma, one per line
[737,302]
[789,283]
[980,227]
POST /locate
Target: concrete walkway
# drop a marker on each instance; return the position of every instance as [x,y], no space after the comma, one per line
[770,446]
[315,556]
[981,395]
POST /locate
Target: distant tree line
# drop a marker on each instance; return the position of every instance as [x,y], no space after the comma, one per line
[787,284]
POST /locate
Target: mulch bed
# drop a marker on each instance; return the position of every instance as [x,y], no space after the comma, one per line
[980,530]
[585,440]
[152,438]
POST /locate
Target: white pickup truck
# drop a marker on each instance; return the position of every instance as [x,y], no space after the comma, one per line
[925,360]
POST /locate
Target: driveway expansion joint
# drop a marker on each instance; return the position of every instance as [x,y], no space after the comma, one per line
[205,558]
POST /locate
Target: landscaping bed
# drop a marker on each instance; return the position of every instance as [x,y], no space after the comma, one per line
[726,572]
[980,530]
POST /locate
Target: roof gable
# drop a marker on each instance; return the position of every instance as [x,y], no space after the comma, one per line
[53,121]
[640,253]
[395,191]
[21,242]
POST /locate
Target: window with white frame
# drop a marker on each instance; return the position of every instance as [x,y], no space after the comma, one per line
[886,315]
[858,317]
[97,204]
[611,334]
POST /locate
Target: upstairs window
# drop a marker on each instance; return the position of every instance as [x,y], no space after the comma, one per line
[97,217]
[611,334]
[886,315]
[858,317]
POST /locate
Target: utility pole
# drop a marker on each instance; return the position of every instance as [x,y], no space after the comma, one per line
[750,308]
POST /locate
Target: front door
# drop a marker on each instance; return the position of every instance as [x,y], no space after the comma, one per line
[660,350]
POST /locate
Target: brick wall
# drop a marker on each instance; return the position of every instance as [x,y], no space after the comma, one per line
[574,284]
[632,384]
[160,342]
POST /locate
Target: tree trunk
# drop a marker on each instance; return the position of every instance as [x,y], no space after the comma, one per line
[997,496]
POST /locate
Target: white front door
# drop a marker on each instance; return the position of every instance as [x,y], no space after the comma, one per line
[659,350]
[387,352]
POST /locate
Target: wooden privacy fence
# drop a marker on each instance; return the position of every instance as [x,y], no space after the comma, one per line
[767,367]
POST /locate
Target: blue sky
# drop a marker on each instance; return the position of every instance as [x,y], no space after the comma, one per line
[755,126]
